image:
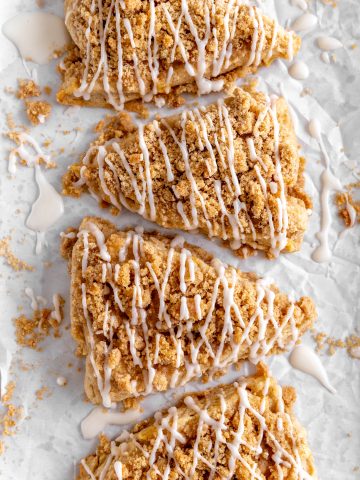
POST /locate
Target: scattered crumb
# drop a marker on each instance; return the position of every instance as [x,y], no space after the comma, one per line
[47,143]
[14,262]
[8,395]
[40,394]
[348,207]
[329,345]
[27,89]
[38,112]
[10,121]
[306,91]
[9,416]
[47,90]
[9,90]
[32,331]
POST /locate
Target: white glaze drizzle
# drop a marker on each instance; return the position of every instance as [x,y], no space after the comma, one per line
[299,70]
[169,435]
[37,35]
[198,69]
[306,21]
[222,154]
[328,43]
[28,151]
[329,182]
[99,418]
[305,359]
[350,210]
[223,293]
[36,300]
[47,208]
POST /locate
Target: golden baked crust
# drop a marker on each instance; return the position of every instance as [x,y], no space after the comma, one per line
[241,431]
[231,170]
[130,49]
[151,313]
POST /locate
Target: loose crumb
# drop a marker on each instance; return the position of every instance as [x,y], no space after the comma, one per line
[28,89]
[15,263]
[10,122]
[329,345]
[348,207]
[10,415]
[38,112]
[40,394]
[30,332]
[47,90]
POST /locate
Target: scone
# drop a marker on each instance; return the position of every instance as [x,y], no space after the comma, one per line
[152,313]
[231,171]
[132,49]
[245,430]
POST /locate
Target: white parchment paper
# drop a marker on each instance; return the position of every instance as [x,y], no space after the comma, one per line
[48,442]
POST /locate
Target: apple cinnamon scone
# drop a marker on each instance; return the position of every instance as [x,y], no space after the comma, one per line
[152,313]
[245,430]
[231,171]
[132,49]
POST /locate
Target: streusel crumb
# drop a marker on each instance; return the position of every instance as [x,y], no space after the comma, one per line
[30,332]
[348,206]
[329,344]
[11,259]
[10,414]
[38,112]
[28,89]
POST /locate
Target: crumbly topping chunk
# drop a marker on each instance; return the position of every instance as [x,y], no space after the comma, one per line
[30,332]
[38,112]
[11,259]
[28,89]
[348,205]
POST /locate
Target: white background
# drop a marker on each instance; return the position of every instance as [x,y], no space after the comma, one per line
[48,443]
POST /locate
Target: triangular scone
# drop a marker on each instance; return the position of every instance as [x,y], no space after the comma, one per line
[126,49]
[151,313]
[231,170]
[242,431]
